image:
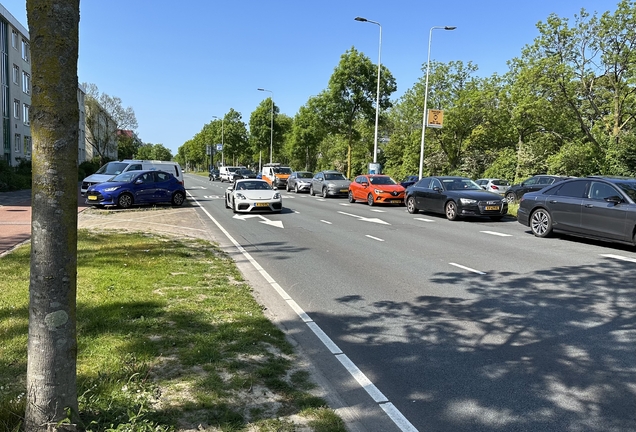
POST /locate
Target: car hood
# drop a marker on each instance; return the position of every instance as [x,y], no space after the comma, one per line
[338,183]
[388,188]
[257,194]
[107,184]
[481,195]
[98,178]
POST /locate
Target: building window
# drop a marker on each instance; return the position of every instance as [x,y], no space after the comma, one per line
[26,55]
[25,116]
[27,145]
[17,144]
[16,74]
[14,39]
[16,108]
[26,82]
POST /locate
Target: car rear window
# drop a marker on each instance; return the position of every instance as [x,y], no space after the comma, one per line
[500,183]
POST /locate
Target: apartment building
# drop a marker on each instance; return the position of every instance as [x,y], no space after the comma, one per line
[15,73]
[16,89]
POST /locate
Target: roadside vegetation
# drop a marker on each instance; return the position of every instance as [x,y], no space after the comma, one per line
[169,338]
[565,106]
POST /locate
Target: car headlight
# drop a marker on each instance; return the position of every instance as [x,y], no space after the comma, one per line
[111,189]
[378,191]
[240,196]
[276,196]
[466,201]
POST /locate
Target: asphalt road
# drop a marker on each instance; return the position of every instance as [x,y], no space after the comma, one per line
[470,325]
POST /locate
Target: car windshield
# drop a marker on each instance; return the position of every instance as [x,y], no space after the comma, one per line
[334,176]
[629,187]
[253,185]
[245,172]
[112,168]
[124,177]
[460,184]
[305,174]
[500,182]
[282,170]
[381,180]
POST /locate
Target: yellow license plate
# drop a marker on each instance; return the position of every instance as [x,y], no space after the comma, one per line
[396,202]
[92,198]
[492,207]
[262,205]
[344,190]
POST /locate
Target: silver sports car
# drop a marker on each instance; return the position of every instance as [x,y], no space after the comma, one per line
[252,195]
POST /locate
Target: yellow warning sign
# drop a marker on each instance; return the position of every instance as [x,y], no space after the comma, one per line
[435,118]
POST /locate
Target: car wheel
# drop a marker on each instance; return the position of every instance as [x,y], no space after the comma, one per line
[125,200]
[541,223]
[234,208]
[311,190]
[511,197]
[351,198]
[227,206]
[296,188]
[370,199]
[324,192]
[178,198]
[287,187]
[410,205]
[451,211]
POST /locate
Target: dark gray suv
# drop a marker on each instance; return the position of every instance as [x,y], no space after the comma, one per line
[533,184]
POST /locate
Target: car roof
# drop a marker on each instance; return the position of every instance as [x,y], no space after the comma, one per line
[250,180]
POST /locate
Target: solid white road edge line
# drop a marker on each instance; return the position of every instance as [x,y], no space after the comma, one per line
[374,238]
[467,268]
[394,414]
[619,257]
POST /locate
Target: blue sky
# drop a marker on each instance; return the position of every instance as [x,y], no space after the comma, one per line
[179,63]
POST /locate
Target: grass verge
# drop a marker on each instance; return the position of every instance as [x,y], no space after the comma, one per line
[170,339]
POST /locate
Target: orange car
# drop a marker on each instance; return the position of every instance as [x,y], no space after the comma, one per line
[376,189]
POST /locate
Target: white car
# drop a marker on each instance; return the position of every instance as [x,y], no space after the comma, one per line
[253,195]
[498,186]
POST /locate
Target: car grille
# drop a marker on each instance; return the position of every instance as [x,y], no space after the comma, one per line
[483,204]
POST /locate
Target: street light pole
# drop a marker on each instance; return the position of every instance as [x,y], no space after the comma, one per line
[428,62]
[377,97]
[222,138]
[271,138]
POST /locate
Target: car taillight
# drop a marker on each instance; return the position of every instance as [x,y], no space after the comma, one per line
[494,187]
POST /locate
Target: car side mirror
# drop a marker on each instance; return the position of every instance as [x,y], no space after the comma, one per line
[437,189]
[139,181]
[483,187]
[230,189]
[614,199]
[365,184]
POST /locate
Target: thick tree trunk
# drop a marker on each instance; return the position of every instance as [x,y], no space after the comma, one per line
[52,345]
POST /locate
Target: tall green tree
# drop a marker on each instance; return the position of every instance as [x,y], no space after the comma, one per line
[306,134]
[265,134]
[51,387]
[150,151]
[351,97]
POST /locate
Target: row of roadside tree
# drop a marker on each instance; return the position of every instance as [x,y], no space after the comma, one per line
[567,105]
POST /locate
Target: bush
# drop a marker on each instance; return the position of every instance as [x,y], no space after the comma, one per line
[15,178]
[87,168]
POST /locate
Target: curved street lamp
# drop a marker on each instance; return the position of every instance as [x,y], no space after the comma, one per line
[271,138]
[428,62]
[377,97]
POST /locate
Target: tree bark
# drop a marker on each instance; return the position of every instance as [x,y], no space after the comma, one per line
[52,344]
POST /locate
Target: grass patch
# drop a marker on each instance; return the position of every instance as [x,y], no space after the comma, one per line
[512,209]
[169,338]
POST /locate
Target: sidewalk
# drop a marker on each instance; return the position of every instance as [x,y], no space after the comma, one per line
[15,218]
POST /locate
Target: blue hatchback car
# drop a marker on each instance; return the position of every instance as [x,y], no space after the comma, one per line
[137,187]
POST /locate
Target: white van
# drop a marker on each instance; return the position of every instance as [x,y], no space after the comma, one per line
[226,173]
[111,169]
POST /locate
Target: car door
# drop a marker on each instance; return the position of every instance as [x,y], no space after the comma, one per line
[418,190]
[358,187]
[566,203]
[434,198]
[603,218]
[163,186]
[317,181]
[144,187]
